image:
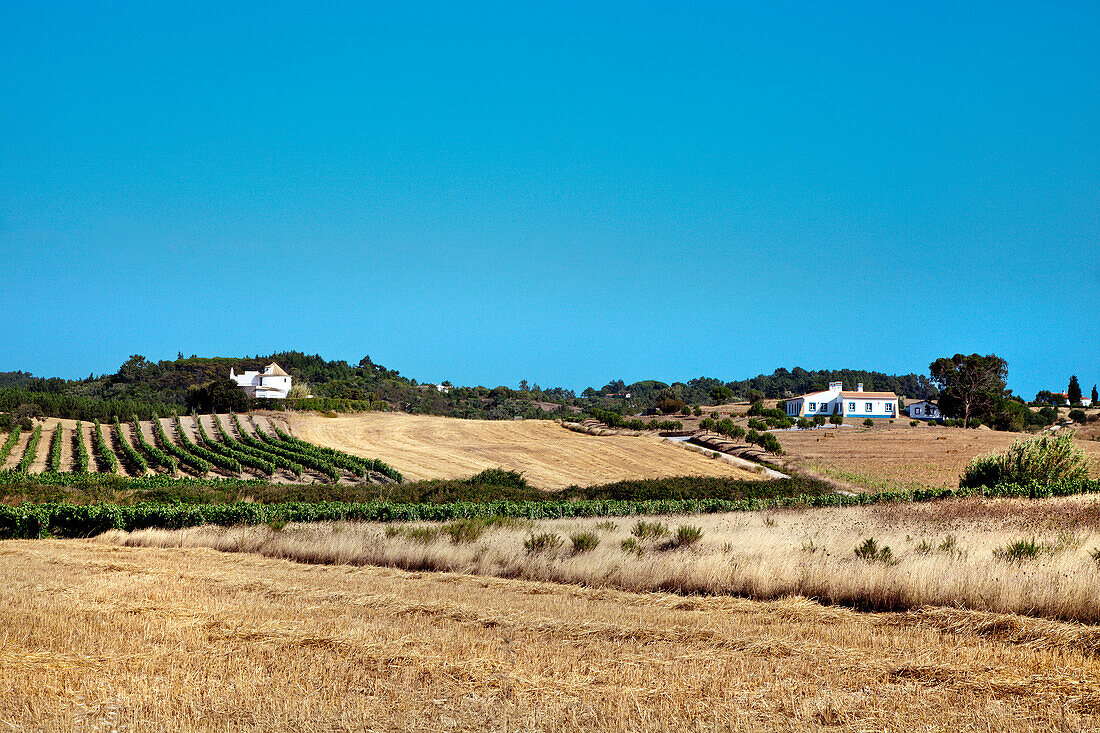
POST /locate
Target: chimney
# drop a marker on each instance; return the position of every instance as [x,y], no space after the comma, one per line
[859,387]
[838,386]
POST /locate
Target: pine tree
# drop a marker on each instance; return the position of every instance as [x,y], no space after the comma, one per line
[1073,393]
[1095,402]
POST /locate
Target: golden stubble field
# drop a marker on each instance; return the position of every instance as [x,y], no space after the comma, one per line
[550,457]
[889,457]
[100,637]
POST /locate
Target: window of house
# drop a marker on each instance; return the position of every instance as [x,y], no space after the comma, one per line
[851,407]
[868,406]
[824,407]
[916,410]
[889,406]
[813,406]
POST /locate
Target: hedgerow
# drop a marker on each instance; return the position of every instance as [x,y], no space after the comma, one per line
[73,520]
[13,438]
[103,452]
[355,464]
[185,457]
[80,451]
[31,451]
[54,463]
[137,463]
[157,457]
[244,459]
[259,447]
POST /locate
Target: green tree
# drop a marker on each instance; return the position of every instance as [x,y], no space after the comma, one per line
[1095,402]
[1073,392]
[970,385]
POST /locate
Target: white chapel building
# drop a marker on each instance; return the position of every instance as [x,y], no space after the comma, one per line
[272,383]
[846,403]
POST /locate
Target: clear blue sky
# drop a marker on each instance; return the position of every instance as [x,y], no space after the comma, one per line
[567,194]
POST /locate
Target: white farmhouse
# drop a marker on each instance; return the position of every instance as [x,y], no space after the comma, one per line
[923,410]
[846,403]
[273,382]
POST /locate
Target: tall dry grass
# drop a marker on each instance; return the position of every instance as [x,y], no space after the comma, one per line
[957,554]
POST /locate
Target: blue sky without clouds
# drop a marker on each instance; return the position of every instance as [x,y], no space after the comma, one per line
[566,193]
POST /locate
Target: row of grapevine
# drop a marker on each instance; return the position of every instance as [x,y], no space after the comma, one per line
[257,463]
[31,450]
[258,447]
[80,451]
[13,438]
[156,456]
[82,520]
[137,463]
[212,457]
[185,457]
[104,454]
[317,463]
[55,449]
[355,464]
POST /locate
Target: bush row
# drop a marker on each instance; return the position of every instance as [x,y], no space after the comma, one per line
[81,520]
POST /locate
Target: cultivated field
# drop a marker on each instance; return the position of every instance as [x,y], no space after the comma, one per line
[550,457]
[223,439]
[98,637]
[898,456]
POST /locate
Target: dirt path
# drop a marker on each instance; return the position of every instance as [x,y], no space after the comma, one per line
[551,457]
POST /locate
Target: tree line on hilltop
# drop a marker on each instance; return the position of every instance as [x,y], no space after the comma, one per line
[143,387]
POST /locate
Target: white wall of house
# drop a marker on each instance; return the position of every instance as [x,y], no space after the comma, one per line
[266,384]
[846,403]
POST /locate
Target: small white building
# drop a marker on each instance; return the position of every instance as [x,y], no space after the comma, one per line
[923,410]
[846,403]
[272,383]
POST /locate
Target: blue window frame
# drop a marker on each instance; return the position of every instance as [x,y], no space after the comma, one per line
[851,407]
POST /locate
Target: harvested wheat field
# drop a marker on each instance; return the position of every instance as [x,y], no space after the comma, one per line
[550,457]
[98,637]
[892,457]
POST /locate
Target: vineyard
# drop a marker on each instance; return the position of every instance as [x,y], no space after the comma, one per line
[196,446]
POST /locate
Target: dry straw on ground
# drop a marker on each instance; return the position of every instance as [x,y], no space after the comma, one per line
[100,637]
[550,457]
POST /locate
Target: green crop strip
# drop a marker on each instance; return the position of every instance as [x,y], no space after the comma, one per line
[82,520]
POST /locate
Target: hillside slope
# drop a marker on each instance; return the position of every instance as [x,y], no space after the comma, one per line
[551,457]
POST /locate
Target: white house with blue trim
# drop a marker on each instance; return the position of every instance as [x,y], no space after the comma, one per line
[846,403]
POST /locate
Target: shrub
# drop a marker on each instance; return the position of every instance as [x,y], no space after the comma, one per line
[975,422]
[805,423]
[836,420]
[649,530]
[1078,416]
[632,545]
[869,423]
[465,530]
[541,542]
[871,552]
[819,419]
[687,535]
[914,423]
[584,541]
[1021,550]
[1045,459]
[757,424]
